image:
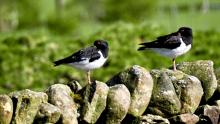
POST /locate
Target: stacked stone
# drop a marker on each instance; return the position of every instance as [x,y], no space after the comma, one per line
[135,95]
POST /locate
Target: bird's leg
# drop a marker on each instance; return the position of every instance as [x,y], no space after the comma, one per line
[174,64]
[88,76]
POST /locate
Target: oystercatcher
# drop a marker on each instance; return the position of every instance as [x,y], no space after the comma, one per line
[88,58]
[171,45]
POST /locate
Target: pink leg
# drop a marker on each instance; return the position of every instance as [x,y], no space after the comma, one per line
[88,77]
[174,64]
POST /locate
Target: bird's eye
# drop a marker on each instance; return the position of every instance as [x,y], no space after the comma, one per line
[98,42]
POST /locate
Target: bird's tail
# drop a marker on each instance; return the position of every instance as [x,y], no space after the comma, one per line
[59,62]
[143,47]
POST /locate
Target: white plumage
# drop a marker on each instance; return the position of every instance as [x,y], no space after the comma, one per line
[86,65]
[173,53]
[88,58]
[172,45]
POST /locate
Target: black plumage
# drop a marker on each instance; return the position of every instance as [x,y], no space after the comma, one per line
[170,41]
[90,53]
[171,45]
[88,58]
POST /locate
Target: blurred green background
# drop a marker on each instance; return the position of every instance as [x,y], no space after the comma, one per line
[35,33]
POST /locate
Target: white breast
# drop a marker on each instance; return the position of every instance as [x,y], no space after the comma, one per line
[182,49]
[86,65]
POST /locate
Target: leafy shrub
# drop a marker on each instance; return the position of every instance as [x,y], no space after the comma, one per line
[26,57]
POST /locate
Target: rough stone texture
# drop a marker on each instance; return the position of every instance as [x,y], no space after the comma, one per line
[187,118]
[95,97]
[6,109]
[118,104]
[59,95]
[174,92]
[140,84]
[47,113]
[151,119]
[191,93]
[203,70]
[212,112]
[217,102]
[26,103]
[164,99]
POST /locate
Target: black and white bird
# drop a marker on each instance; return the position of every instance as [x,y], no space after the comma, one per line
[171,45]
[87,59]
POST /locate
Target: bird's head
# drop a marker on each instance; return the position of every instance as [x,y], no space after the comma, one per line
[101,44]
[185,31]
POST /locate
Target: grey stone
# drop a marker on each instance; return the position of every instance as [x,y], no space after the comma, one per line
[164,99]
[95,97]
[118,104]
[191,93]
[26,103]
[204,71]
[6,109]
[174,92]
[217,103]
[212,112]
[140,84]
[47,113]
[151,119]
[187,118]
[60,96]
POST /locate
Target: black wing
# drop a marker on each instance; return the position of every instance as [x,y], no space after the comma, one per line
[169,41]
[90,53]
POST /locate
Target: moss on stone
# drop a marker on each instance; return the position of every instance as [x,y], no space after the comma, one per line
[204,71]
[26,105]
[140,84]
[95,97]
[174,92]
[118,104]
[6,109]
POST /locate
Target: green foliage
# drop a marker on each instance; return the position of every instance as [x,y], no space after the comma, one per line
[128,10]
[26,59]
[33,34]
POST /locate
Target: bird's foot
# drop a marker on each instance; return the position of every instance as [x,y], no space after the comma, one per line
[91,82]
